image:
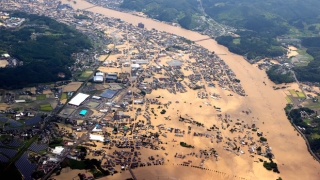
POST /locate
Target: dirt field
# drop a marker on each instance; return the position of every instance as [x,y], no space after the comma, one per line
[292,51]
[3,63]
[3,106]
[73,86]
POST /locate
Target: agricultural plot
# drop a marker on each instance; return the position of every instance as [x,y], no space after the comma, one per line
[41,97]
[33,120]
[92,104]
[37,147]
[67,111]
[3,158]
[14,123]
[8,152]
[288,100]
[315,136]
[14,143]
[63,96]
[3,119]
[46,107]
[293,93]
[24,166]
[301,95]
[84,75]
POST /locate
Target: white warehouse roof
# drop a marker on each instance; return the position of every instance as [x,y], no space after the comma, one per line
[96,137]
[135,65]
[99,74]
[78,99]
[58,150]
[98,78]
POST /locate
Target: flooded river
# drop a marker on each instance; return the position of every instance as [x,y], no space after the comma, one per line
[294,161]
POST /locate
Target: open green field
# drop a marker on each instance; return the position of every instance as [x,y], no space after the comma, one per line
[288,100]
[301,95]
[314,106]
[236,41]
[63,96]
[41,97]
[305,56]
[86,74]
[293,93]
[308,121]
[315,136]
[46,107]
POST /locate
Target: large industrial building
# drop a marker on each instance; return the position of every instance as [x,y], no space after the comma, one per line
[98,77]
[78,99]
[108,94]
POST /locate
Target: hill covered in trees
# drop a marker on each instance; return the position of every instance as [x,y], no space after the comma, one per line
[311,72]
[257,15]
[180,11]
[44,54]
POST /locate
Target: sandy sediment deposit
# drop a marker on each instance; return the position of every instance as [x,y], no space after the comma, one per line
[3,63]
[292,51]
[291,154]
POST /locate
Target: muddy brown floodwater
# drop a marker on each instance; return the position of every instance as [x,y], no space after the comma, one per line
[291,154]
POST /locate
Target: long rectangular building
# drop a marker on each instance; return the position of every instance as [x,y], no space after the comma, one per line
[78,99]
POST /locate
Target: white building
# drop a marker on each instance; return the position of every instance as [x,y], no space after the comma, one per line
[94,137]
[58,150]
[78,99]
[136,66]
[97,78]
[100,74]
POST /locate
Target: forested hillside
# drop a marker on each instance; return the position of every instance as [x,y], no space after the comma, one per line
[179,10]
[311,72]
[44,56]
[300,14]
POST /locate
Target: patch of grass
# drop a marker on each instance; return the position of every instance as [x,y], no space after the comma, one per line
[236,41]
[308,121]
[293,92]
[301,95]
[41,97]
[46,107]
[306,56]
[314,106]
[86,74]
[288,100]
[63,96]
[315,136]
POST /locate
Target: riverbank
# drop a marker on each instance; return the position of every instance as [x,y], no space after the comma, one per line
[290,150]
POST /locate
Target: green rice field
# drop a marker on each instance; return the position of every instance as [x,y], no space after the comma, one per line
[293,93]
[288,100]
[41,97]
[86,74]
[63,96]
[46,107]
[301,95]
